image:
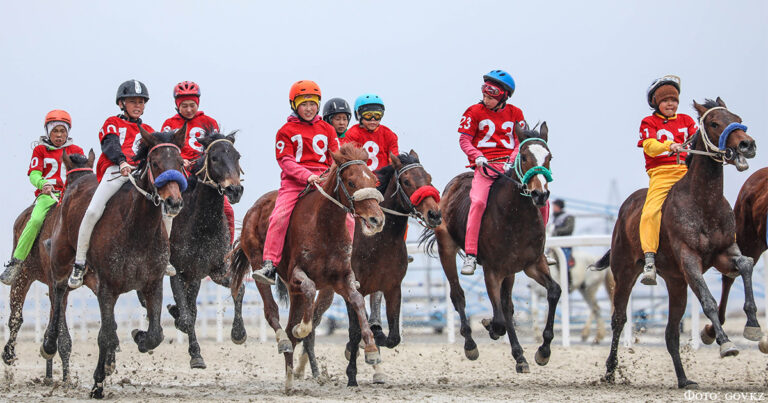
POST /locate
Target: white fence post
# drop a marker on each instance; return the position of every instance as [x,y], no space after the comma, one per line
[450,320]
[629,338]
[38,314]
[765,286]
[262,322]
[565,302]
[219,315]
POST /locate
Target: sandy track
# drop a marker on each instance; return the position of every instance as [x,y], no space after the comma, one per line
[417,371]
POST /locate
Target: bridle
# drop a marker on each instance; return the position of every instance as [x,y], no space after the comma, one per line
[207,180]
[524,177]
[359,195]
[154,196]
[719,153]
[406,201]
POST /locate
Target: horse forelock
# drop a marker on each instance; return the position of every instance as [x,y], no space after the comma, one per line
[211,135]
[143,151]
[79,160]
[350,152]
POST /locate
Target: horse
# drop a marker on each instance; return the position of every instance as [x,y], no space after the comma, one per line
[317,251]
[34,268]
[131,251]
[380,261]
[751,211]
[200,238]
[512,238]
[588,283]
[698,230]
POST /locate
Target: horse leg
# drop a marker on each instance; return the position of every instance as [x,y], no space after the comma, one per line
[447,250]
[180,311]
[347,290]
[18,294]
[540,273]
[708,333]
[238,333]
[302,284]
[65,343]
[691,264]
[107,339]
[322,303]
[196,362]
[374,319]
[152,338]
[295,314]
[272,314]
[393,298]
[48,349]
[352,345]
[625,275]
[508,310]
[678,300]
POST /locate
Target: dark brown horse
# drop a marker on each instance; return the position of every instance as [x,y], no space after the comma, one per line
[200,238]
[750,210]
[35,268]
[380,261]
[130,251]
[511,239]
[698,231]
[317,251]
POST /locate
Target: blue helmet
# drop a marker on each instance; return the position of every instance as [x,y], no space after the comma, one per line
[367,102]
[502,78]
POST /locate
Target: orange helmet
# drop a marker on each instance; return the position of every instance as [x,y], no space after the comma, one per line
[303,87]
[58,115]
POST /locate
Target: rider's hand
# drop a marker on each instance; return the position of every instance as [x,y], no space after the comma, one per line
[187,164]
[676,147]
[481,161]
[125,168]
[313,179]
[47,189]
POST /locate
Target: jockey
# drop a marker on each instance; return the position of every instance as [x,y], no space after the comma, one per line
[303,150]
[376,139]
[337,113]
[187,97]
[45,174]
[487,136]
[661,136]
[119,138]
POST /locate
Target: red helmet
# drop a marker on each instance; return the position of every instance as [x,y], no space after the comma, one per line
[58,115]
[186,88]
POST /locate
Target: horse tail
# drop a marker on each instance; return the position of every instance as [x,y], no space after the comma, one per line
[282,292]
[603,263]
[428,237]
[238,266]
[610,285]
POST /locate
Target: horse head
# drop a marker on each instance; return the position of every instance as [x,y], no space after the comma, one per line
[220,164]
[722,132]
[159,156]
[78,161]
[355,187]
[532,162]
[415,184]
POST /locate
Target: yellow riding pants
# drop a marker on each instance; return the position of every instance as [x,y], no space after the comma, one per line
[661,180]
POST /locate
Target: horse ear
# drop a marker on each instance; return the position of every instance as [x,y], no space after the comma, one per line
[66,160]
[720,102]
[520,132]
[394,160]
[147,138]
[231,137]
[544,131]
[180,135]
[413,154]
[699,108]
[91,158]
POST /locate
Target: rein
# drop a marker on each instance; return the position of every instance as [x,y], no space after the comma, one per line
[207,180]
[359,195]
[408,204]
[719,152]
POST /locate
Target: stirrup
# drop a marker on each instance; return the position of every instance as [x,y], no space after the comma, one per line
[649,270]
[76,278]
[266,274]
[11,271]
[470,264]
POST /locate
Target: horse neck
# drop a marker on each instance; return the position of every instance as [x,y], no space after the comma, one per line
[393,201]
[512,205]
[206,202]
[704,180]
[141,212]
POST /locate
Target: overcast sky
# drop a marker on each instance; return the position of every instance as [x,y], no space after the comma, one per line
[581,66]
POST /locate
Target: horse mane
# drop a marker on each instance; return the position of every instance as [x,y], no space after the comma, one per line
[708,104]
[386,174]
[143,151]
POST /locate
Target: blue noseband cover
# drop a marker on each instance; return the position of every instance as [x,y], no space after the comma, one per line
[171,176]
[727,132]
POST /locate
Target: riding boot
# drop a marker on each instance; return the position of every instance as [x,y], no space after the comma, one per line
[550,260]
[649,270]
[76,278]
[470,263]
[12,269]
[410,259]
[265,275]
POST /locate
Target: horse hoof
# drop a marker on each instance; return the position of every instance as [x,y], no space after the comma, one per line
[284,346]
[302,329]
[752,333]
[472,354]
[9,357]
[380,378]
[705,338]
[728,349]
[197,363]
[522,368]
[97,392]
[540,359]
[372,357]
[347,353]
[688,385]
[45,354]
[239,339]
[763,345]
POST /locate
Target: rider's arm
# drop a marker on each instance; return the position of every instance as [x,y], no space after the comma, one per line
[654,147]
[465,142]
[110,146]
[293,170]
[37,180]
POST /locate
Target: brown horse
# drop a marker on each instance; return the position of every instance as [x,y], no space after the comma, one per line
[698,231]
[130,251]
[35,268]
[317,249]
[380,261]
[512,238]
[751,209]
[200,237]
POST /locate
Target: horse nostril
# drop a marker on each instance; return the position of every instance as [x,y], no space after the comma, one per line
[746,147]
[374,221]
[433,214]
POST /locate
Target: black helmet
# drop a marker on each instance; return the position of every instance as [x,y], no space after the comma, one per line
[334,106]
[131,88]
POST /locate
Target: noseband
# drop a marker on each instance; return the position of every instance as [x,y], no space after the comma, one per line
[207,180]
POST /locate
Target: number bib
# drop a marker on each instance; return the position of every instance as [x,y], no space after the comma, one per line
[493,132]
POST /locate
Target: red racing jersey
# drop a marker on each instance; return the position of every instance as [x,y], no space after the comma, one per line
[128,133]
[196,126]
[492,132]
[48,162]
[677,129]
[308,144]
[378,144]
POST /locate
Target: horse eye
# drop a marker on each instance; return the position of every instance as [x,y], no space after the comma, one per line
[407,182]
[214,159]
[713,125]
[351,184]
[523,158]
